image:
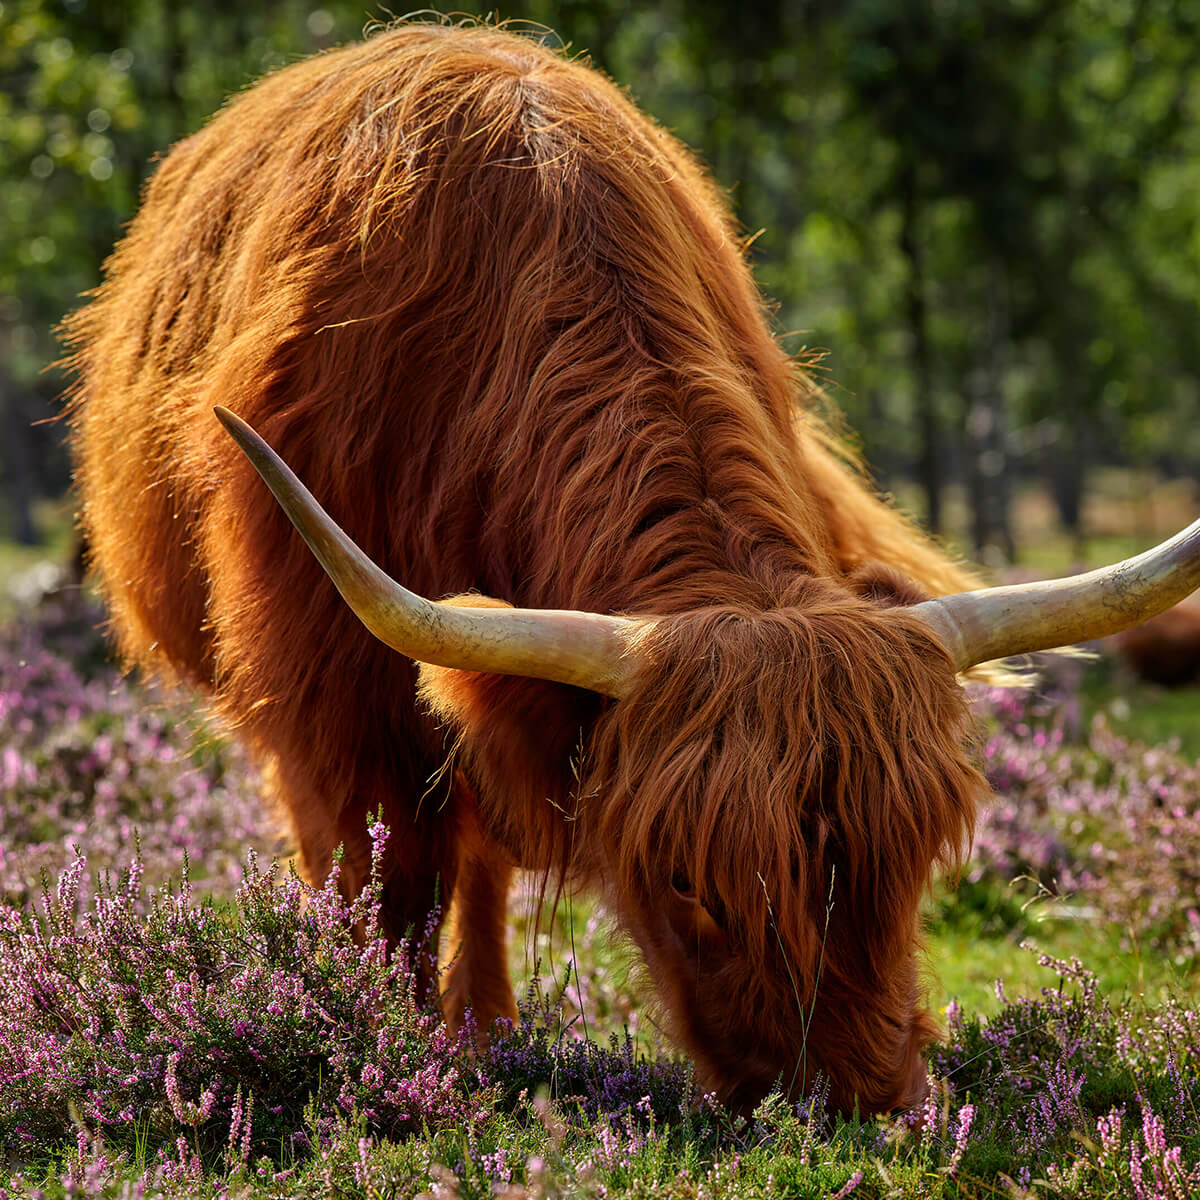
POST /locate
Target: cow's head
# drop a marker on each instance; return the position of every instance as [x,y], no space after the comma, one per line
[769,799]
[766,800]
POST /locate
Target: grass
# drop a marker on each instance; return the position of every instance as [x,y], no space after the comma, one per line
[965,959]
[1141,711]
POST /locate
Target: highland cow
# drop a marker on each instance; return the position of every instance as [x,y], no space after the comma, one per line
[502,325]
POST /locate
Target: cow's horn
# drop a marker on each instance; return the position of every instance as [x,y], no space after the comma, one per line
[590,650]
[998,622]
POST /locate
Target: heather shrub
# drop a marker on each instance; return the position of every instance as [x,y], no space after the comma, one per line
[89,757]
[161,1028]
[1085,1094]
[159,1040]
[544,1051]
[244,1032]
[1111,823]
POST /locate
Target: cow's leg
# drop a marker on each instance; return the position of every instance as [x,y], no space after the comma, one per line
[476,946]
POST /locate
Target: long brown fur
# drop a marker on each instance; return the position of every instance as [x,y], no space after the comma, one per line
[502,325]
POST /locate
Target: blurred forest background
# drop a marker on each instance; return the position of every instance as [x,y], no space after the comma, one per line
[986,212]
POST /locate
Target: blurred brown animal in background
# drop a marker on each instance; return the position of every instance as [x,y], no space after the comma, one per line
[502,324]
[1166,649]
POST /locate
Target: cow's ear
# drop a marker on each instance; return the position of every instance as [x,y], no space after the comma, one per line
[518,739]
[886,586]
[459,699]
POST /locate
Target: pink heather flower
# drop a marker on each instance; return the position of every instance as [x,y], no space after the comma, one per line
[954,1017]
[1135,1173]
[1154,1133]
[1109,1131]
[848,1186]
[1174,1174]
[497,1168]
[361,1168]
[235,1124]
[966,1115]
[186,1113]
[237,1149]
[608,1148]
[928,1121]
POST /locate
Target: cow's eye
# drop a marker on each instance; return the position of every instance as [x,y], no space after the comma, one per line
[682,884]
[716,909]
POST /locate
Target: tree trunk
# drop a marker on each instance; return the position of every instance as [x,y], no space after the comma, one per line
[16,461]
[1067,471]
[1069,460]
[880,456]
[988,459]
[929,462]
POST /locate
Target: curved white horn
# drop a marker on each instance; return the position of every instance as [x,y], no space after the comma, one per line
[998,622]
[589,650]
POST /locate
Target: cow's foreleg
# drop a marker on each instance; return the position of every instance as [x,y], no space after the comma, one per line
[476,946]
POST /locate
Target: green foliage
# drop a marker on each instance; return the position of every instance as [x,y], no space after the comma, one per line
[987,212]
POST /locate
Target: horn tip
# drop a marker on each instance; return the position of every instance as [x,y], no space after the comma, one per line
[247,438]
[229,419]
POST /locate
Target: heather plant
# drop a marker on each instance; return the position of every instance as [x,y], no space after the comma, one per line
[159,1028]
[1092,816]
[544,1049]
[157,1042]
[89,757]
[245,1033]
[1121,1081]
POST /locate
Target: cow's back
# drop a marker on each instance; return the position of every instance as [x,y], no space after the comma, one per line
[372,256]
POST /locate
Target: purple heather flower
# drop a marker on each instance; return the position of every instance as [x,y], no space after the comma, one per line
[1108,1129]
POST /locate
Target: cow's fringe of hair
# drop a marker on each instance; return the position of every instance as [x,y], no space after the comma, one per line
[825,737]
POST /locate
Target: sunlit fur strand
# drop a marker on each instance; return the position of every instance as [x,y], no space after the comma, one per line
[501,324]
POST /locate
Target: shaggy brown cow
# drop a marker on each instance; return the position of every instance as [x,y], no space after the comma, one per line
[502,324]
